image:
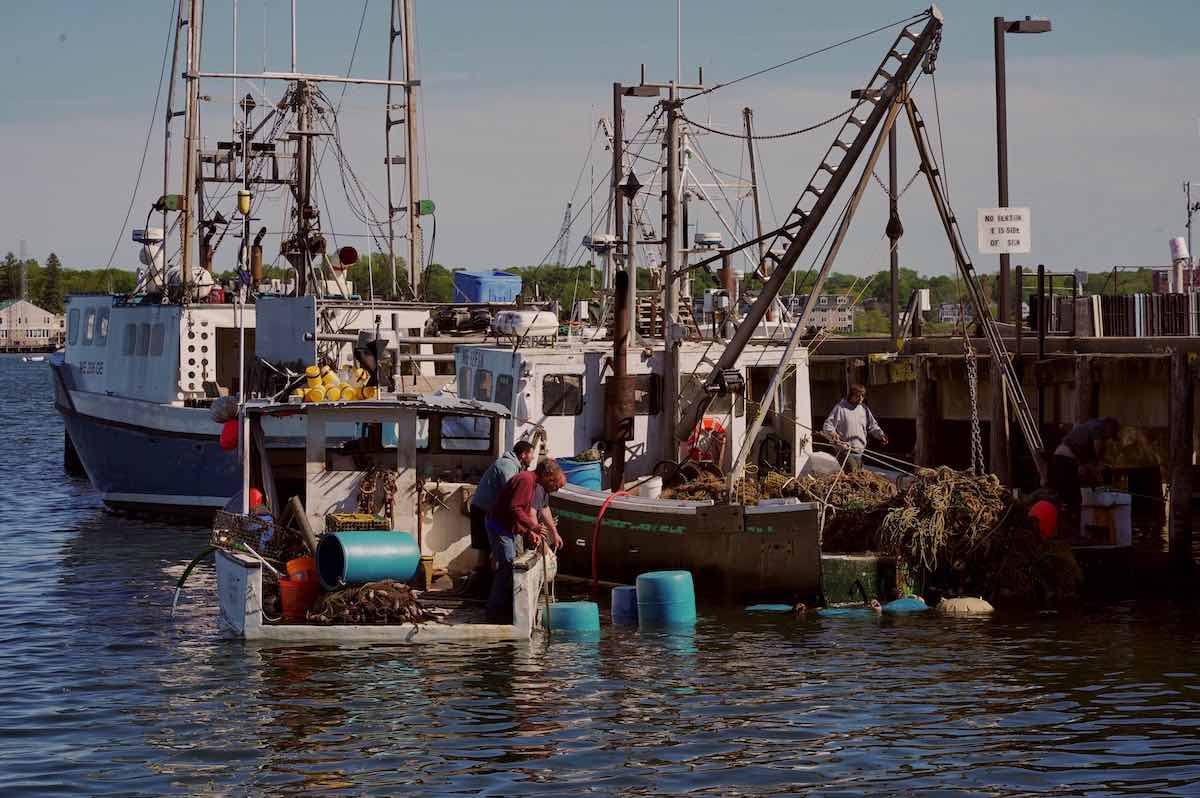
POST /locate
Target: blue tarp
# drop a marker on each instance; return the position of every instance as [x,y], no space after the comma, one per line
[489,286]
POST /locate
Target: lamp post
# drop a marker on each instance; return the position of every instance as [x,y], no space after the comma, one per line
[1002,26]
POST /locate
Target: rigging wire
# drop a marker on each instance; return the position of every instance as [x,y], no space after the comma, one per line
[146,147]
[771,136]
[810,54]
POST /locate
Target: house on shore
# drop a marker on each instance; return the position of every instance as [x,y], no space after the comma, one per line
[24,327]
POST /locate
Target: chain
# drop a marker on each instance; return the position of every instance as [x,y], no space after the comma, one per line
[977,463]
[907,185]
[808,129]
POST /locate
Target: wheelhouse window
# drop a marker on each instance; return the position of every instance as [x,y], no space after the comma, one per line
[73,325]
[157,333]
[102,327]
[504,390]
[562,394]
[89,326]
[464,382]
[466,433]
[646,395]
[483,385]
[143,347]
[130,339]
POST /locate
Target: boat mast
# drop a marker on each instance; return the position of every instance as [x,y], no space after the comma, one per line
[191,126]
[180,22]
[415,271]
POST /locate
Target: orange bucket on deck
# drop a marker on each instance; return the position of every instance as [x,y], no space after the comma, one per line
[297,596]
[302,569]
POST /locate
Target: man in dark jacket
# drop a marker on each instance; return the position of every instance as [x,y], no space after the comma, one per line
[490,484]
[1074,462]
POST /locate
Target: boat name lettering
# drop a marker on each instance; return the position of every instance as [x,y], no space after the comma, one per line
[91,367]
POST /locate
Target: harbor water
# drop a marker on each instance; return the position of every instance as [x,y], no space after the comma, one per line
[104,691]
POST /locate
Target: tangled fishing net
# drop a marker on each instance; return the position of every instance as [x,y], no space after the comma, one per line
[383,602]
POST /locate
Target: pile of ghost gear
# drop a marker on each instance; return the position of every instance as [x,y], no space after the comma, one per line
[383,602]
[952,530]
[345,384]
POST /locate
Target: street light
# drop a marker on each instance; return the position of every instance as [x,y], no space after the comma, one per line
[1002,26]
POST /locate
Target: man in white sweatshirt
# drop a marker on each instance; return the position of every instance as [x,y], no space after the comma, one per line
[849,425]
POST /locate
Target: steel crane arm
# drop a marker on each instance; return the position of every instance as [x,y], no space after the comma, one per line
[890,78]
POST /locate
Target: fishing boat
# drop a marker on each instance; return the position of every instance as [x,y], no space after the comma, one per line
[139,373]
[395,472]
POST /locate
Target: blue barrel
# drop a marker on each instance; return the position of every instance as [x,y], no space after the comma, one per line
[574,616]
[666,598]
[847,612]
[584,473]
[352,558]
[906,604]
[625,605]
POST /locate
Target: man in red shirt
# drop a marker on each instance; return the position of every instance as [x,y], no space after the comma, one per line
[512,515]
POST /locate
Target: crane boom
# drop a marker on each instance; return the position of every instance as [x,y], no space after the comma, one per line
[890,78]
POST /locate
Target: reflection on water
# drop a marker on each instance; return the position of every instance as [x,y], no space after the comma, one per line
[104,692]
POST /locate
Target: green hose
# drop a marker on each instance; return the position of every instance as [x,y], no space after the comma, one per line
[186,571]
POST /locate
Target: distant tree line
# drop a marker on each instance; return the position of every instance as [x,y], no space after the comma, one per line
[48,285]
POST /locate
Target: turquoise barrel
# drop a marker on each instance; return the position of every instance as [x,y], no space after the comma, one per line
[625,605]
[666,598]
[584,473]
[352,558]
[574,616]
[770,608]
[906,604]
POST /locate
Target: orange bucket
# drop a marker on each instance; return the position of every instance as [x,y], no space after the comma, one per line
[296,596]
[302,569]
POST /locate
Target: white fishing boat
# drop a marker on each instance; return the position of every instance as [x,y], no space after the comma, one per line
[140,372]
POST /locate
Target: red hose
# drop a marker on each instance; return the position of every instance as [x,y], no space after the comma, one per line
[596,539]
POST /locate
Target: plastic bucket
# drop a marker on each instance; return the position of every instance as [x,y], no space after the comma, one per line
[770,608]
[666,598]
[625,605]
[574,616]
[651,488]
[584,473]
[355,557]
[302,569]
[296,596]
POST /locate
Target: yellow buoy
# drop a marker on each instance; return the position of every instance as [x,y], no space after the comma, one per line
[325,369]
[314,394]
[314,382]
[349,394]
[333,393]
[298,392]
[330,379]
[370,392]
[312,371]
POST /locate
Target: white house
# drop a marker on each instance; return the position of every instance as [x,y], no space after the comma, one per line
[24,326]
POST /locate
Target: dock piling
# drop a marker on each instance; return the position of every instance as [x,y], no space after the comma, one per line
[1180,462]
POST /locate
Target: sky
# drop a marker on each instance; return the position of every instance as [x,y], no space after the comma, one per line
[1103,121]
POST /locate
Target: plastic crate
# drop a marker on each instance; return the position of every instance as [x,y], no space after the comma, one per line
[356,522]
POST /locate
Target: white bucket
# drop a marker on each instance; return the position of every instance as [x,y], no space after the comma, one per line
[651,488]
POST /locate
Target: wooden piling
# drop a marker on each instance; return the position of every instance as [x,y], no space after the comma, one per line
[1083,407]
[1180,462]
[998,441]
[926,409]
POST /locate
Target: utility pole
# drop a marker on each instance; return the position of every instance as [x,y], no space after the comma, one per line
[894,231]
[670,285]
[1191,209]
[618,174]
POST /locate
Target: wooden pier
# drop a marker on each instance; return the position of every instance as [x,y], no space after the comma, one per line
[920,396]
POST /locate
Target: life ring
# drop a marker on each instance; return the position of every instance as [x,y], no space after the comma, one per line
[705,440]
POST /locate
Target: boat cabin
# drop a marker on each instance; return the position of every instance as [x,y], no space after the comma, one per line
[561,389]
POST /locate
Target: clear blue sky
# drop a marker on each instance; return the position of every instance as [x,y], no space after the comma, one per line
[1104,123]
